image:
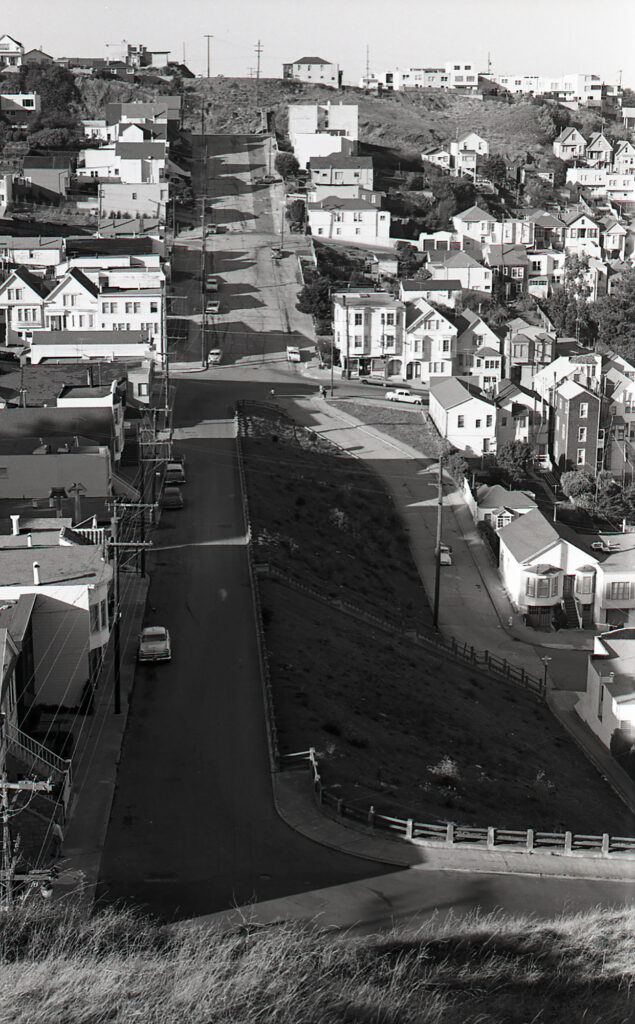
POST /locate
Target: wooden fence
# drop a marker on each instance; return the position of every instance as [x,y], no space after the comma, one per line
[452,834]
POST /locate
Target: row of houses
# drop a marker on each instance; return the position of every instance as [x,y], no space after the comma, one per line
[124,56]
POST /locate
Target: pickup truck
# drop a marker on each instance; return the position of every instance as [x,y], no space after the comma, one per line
[401,395]
[293,354]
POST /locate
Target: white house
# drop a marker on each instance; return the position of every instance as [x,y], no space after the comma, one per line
[430,343]
[582,234]
[11,52]
[55,345]
[608,702]
[599,151]
[463,415]
[349,220]
[473,334]
[28,251]
[314,70]
[624,157]
[570,145]
[13,106]
[460,266]
[320,129]
[340,175]
[499,507]
[71,583]
[445,291]
[6,192]
[474,223]
[368,330]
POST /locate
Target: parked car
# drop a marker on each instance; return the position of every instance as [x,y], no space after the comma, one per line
[267,179]
[212,307]
[401,395]
[211,283]
[293,354]
[445,554]
[214,356]
[374,380]
[174,473]
[154,644]
[172,497]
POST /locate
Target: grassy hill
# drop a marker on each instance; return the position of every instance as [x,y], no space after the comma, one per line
[405,122]
[56,966]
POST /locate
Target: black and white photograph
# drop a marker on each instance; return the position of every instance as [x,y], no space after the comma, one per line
[317,512]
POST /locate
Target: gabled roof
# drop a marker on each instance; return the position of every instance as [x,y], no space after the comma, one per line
[451,258]
[599,141]
[32,281]
[506,255]
[572,216]
[474,214]
[421,310]
[528,536]
[543,219]
[498,496]
[452,392]
[570,389]
[564,135]
[5,36]
[488,352]
[81,279]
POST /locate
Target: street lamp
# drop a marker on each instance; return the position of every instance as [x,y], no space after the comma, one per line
[545,662]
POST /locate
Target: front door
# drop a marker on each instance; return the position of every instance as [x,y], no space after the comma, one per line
[568,585]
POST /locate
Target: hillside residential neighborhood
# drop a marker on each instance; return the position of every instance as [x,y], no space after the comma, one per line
[317,488]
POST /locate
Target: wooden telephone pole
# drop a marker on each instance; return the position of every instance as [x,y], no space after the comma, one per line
[9,873]
[437,549]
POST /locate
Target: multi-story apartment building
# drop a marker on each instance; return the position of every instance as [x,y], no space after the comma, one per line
[430,343]
[368,330]
[319,129]
[576,442]
[349,220]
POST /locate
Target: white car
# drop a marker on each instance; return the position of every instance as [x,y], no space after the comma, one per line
[154,644]
[445,554]
[212,307]
[401,395]
[214,356]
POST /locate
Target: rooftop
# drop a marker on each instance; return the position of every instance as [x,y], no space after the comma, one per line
[452,392]
[103,340]
[474,214]
[58,566]
[498,496]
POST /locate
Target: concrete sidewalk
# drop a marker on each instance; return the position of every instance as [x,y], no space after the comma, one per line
[96,755]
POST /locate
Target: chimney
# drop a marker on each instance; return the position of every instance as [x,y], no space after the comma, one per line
[29,540]
[36,574]
[15,525]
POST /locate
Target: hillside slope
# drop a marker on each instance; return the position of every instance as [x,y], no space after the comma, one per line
[403,121]
[116,966]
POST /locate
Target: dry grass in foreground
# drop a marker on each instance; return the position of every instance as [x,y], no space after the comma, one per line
[118,967]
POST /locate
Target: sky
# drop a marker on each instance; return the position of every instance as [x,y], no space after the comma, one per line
[545,37]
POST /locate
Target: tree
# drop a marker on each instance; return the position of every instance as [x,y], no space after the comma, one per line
[614,315]
[315,298]
[410,260]
[577,482]
[494,168]
[456,466]
[295,215]
[286,165]
[514,457]
[58,93]
[568,305]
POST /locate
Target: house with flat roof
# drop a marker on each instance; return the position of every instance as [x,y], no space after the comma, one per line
[350,220]
[368,329]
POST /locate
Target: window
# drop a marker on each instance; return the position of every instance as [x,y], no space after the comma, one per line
[154,307]
[128,307]
[488,421]
[446,344]
[477,424]
[94,618]
[517,273]
[584,410]
[460,421]
[543,586]
[390,318]
[581,434]
[103,611]
[142,389]
[600,700]
[620,591]
[134,195]
[359,319]
[580,457]
[358,341]
[503,421]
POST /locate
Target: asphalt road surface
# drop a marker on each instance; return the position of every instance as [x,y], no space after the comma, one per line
[193,828]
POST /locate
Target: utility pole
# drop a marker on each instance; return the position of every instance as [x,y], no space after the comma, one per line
[258,50]
[208,37]
[437,549]
[8,872]
[117,622]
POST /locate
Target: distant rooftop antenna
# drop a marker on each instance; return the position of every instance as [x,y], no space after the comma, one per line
[489,63]
[367,64]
